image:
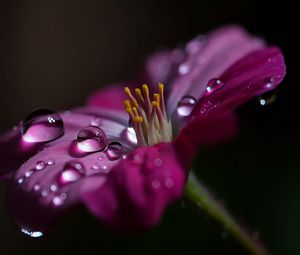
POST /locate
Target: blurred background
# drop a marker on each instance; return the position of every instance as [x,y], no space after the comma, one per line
[53,54]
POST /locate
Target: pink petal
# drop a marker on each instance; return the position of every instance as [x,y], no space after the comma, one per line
[258,72]
[139,188]
[50,184]
[209,60]
[205,132]
[15,151]
[111,97]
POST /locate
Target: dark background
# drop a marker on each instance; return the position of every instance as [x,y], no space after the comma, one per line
[54,53]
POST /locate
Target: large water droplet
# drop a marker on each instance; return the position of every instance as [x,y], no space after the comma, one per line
[72,172]
[114,151]
[91,139]
[32,233]
[213,85]
[42,125]
[185,106]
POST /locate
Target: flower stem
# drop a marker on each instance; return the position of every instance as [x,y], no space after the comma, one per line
[197,193]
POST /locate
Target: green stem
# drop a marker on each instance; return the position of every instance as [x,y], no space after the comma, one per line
[197,193]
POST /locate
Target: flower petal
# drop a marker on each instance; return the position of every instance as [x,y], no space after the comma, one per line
[50,183]
[111,97]
[258,72]
[139,188]
[15,151]
[209,60]
[204,132]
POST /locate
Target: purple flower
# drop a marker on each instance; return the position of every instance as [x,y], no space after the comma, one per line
[127,166]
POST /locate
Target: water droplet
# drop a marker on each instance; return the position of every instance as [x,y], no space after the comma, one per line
[53,187]
[72,172]
[184,68]
[185,106]
[20,180]
[42,125]
[36,187]
[269,83]
[158,162]
[28,173]
[105,169]
[44,193]
[51,162]
[59,199]
[267,99]
[95,166]
[213,85]
[114,151]
[169,183]
[156,184]
[100,158]
[91,139]
[96,122]
[130,135]
[40,165]
[32,233]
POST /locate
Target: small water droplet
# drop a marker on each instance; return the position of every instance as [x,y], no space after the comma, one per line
[96,122]
[44,193]
[40,165]
[28,173]
[184,68]
[32,233]
[213,85]
[100,158]
[269,83]
[185,106]
[95,166]
[72,172]
[20,180]
[267,99]
[59,199]
[51,162]
[36,187]
[169,183]
[63,196]
[53,187]
[158,162]
[91,139]
[155,184]
[114,151]
[42,125]
[104,169]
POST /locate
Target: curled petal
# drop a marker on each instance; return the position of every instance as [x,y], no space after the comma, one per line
[139,188]
[209,58]
[50,184]
[251,76]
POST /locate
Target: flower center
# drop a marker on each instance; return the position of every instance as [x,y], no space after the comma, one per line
[149,118]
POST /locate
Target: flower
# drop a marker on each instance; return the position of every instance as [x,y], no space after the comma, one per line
[127,166]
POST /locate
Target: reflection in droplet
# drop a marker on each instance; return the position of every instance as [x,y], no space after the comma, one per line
[32,233]
[130,135]
[114,151]
[42,125]
[91,139]
[72,172]
[51,162]
[185,106]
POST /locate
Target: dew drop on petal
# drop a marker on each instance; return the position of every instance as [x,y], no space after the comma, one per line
[40,165]
[158,162]
[34,234]
[184,68]
[28,173]
[155,184]
[51,162]
[267,99]
[91,139]
[213,85]
[42,125]
[185,106]
[53,187]
[169,183]
[44,193]
[114,151]
[130,135]
[72,172]
[36,187]
[20,180]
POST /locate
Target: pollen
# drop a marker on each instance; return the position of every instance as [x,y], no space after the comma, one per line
[148,116]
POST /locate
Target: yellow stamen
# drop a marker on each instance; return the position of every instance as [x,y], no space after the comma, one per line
[128,92]
[145,90]
[134,102]
[161,88]
[156,97]
[139,94]
[155,103]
